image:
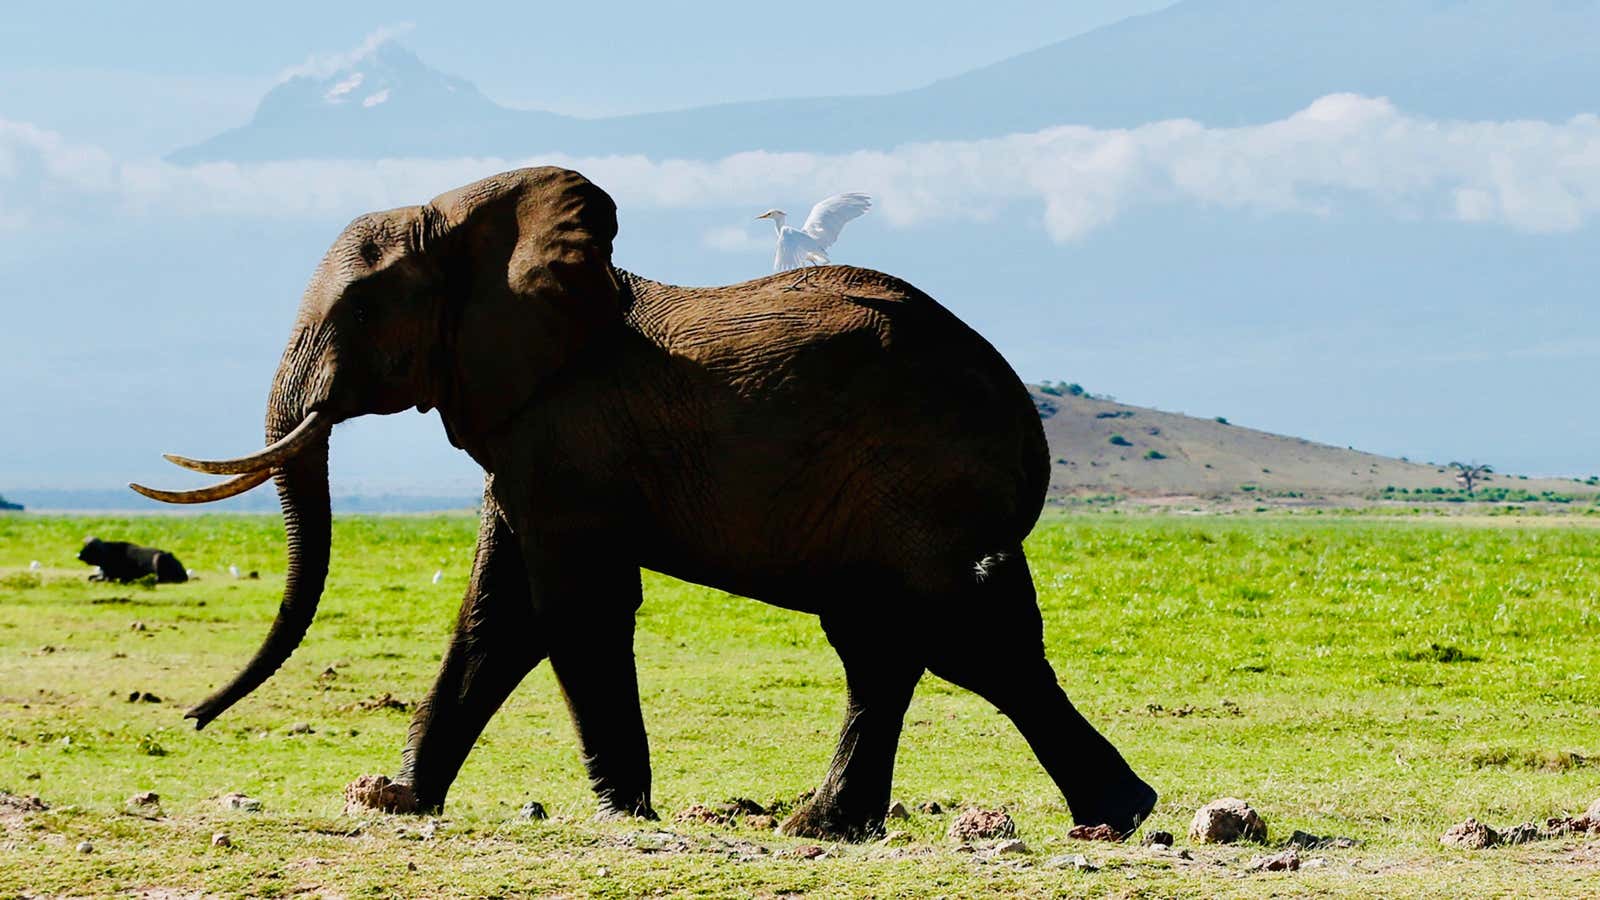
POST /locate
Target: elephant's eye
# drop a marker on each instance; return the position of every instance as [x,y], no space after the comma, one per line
[370,253]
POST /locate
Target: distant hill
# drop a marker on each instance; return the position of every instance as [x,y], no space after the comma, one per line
[1171,454]
[1243,62]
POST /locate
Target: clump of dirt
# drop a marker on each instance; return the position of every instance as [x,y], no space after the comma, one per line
[1305,840]
[16,807]
[373,704]
[142,697]
[982,824]
[1095,833]
[1470,835]
[1286,861]
[1158,839]
[1225,821]
[377,792]
[931,808]
[726,813]
[239,801]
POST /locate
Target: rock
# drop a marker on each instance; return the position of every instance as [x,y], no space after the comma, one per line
[1470,835]
[1008,848]
[377,792]
[895,838]
[301,728]
[145,798]
[1305,840]
[240,802]
[85,847]
[982,824]
[144,696]
[221,839]
[897,810]
[533,811]
[809,851]
[762,822]
[1225,821]
[136,626]
[1072,861]
[1287,861]
[1158,839]
[931,808]
[1095,833]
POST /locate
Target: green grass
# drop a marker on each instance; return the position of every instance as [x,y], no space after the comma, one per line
[1377,678]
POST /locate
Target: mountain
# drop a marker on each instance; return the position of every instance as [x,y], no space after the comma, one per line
[1099,447]
[1243,62]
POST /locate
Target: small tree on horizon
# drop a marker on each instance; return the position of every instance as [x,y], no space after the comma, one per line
[1468,475]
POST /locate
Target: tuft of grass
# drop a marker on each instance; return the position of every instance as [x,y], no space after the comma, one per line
[1530,760]
[1118,440]
[1438,653]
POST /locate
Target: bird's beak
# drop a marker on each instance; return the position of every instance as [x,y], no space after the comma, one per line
[762,216]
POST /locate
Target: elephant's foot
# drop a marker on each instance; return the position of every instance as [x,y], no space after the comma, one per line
[1123,805]
[613,809]
[829,821]
[377,792]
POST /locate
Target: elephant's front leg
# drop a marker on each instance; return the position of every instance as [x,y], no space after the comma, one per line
[496,643]
[591,625]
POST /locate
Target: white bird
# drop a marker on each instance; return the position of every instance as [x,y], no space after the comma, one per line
[234,571]
[438,576]
[810,242]
[33,566]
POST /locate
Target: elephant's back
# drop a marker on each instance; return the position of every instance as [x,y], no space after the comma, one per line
[854,380]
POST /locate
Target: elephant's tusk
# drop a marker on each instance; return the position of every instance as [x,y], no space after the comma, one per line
[229,488]
[312,428]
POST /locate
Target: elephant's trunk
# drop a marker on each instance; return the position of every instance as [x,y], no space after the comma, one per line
[303,493]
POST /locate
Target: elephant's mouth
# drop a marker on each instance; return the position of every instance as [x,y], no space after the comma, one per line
[249,471]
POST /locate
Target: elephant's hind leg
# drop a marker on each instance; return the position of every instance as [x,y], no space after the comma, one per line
[496,644]
[851,803]
[996,650]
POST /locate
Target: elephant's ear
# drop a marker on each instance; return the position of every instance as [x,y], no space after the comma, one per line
[526,258]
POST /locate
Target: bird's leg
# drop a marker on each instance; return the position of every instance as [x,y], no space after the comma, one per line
[804,275]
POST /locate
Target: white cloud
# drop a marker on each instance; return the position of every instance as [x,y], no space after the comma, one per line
[1343,149]
[322,65]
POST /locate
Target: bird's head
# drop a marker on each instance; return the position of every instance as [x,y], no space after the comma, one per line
[777,215]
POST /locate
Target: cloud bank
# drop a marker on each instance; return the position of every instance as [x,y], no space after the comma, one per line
[1342,150]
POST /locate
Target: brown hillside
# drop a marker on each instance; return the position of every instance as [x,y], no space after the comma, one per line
[1207,458]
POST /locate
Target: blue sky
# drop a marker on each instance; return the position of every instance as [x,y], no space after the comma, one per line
[150,77]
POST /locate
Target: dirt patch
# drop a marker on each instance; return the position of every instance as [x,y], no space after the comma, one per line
[377,792]
[729,812]
[373,704]
[982,825]
[14,808]
[1470,835]
[1096,833]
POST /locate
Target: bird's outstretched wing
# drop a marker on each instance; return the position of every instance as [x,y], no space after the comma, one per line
[791,252]
[828,217]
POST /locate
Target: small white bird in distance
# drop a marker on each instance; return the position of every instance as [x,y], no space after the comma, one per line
[234,571]
[810,242]
[33,566]
[437,576]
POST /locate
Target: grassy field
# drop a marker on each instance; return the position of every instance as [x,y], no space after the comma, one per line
[1376,678]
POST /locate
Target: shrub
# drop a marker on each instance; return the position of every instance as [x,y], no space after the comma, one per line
[1154,454]
[1118,440]
[1222,420]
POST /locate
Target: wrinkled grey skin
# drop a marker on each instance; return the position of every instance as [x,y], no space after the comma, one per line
[838,444]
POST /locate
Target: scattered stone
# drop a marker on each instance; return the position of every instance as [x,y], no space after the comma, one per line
[726,813]
[221,839]
[1158,839]
[809,851]
[762,822]
[136,626]
[373,704]
[301,728]
[931,808]
[1305,840]
[328,674]
[145,798]
[982,824]
[1095,833]
[142,696]
[533,811]
[1008,848]
[1225,821]
[377,792]
[1470,835]
[897,810]
[85,847]
[410,866]
[699,812]
[240,802]
[1286,861]
[254,575]
[1072,861]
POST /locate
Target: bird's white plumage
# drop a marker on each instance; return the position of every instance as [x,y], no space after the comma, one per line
[809,243]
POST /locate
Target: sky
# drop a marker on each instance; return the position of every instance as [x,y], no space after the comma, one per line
[1353,272]
[132,80]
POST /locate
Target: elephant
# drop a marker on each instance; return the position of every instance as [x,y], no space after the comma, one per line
[124,562]
[842,446]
